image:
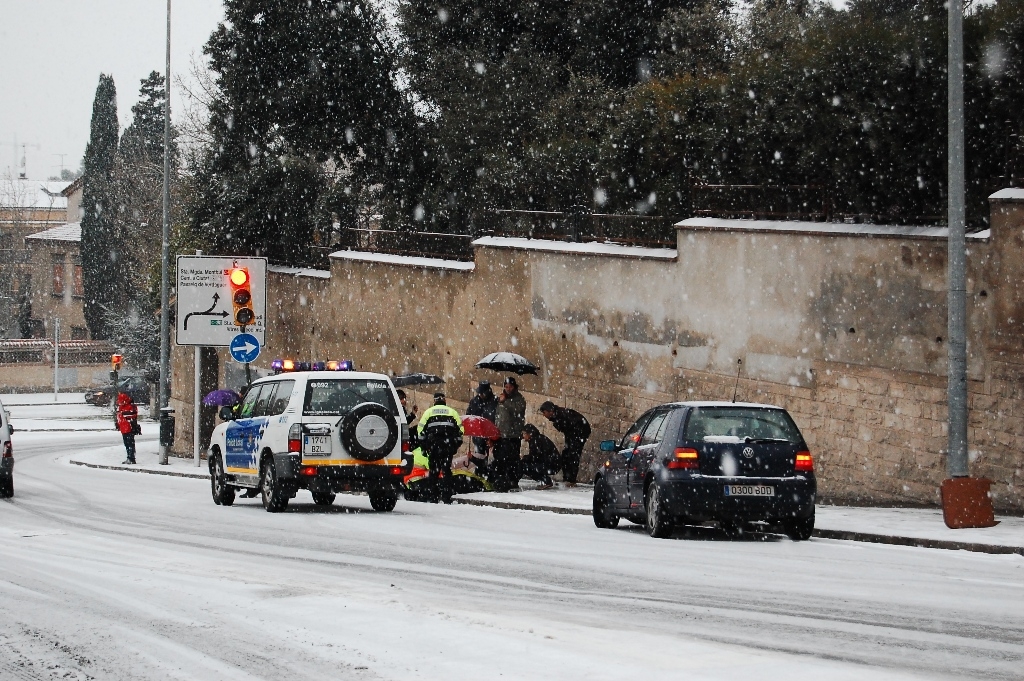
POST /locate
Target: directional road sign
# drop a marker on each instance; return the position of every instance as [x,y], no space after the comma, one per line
[244,347]
[204,310]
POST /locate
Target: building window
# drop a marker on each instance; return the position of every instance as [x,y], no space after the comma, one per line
[58,273]
[78,291]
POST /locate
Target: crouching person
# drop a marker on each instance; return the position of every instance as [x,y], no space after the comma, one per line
[543,458]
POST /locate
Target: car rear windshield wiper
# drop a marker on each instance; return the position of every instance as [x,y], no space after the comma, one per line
[761,440]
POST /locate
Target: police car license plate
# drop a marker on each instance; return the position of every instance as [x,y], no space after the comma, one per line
[749,491]
[316,444]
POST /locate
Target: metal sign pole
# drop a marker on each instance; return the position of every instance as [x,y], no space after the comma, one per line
[956,458]
[197,409]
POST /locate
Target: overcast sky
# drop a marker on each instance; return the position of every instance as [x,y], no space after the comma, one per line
[53,52]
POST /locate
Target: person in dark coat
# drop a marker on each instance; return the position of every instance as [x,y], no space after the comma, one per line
[576,429]
[510,417]
[542,459]
[484,404]
[127,418]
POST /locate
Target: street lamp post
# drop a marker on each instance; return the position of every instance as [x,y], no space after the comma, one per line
[165,262]
[965,500]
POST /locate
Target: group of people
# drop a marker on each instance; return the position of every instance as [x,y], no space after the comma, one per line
[440,432]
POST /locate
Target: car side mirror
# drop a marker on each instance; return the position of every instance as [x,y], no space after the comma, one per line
[608,446]
[226,414]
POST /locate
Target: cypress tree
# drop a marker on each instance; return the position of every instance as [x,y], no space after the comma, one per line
[100,254]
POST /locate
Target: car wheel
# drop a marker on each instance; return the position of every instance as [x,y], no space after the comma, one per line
[369,432]
[223,493]
[800,529]
[323,497]
[604,508]
[383,500]
[657,522]
[275,497]
[7,487]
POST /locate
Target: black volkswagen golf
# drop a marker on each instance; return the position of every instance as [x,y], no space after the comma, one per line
[691,462]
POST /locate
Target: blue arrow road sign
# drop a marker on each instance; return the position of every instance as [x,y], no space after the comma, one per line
[245,347]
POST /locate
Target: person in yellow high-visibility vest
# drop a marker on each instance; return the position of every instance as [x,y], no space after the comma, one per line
[440,435]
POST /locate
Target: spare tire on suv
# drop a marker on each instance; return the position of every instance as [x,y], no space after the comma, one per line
[369,432]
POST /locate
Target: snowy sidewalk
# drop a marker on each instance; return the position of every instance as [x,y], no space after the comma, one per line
[900,526]
[147,456]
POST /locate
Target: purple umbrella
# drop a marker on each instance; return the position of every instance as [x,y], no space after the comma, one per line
[221,398]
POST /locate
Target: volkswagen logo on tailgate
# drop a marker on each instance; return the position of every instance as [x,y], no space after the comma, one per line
[748,452]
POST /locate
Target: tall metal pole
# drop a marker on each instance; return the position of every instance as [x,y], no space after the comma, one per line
[956,460]
[56,355]
[165,262]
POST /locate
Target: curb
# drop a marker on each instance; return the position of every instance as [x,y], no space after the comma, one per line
[843,535]
[511,505]
[173,474]
[919,542]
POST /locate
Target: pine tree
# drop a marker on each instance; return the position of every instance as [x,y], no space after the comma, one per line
[100,253]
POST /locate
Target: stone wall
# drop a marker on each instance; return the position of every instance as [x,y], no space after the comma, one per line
[843,326]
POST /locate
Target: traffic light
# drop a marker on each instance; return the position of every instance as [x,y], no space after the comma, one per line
[115,362]
[241,296]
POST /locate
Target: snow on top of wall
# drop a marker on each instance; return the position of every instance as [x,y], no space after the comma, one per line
[589,248]
[407,260]
[300,271]
[820,228]
[69,232]
[1008,194]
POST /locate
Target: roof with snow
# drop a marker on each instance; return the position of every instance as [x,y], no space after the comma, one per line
[821,228]
[69,232]
[20,193]
[578,248]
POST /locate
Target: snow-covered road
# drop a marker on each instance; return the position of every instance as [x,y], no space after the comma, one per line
[110,575]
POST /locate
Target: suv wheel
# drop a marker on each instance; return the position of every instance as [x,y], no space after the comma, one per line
[369,432]
[223,493]
[604,513]
[799,529]
[7,487]
[657,522]
[383,500]
[275,497]
[323,497]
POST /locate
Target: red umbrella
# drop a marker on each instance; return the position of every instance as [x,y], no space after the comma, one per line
[478,426]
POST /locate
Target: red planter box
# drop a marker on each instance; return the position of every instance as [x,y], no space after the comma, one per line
[966,503]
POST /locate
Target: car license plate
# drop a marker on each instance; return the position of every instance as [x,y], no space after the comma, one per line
[316,444]
[749,491]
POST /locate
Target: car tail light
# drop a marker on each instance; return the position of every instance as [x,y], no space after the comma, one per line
[295,438]
[309,470]
[397,470]
[405,446]
[8,450]
[804,463]
[684,458]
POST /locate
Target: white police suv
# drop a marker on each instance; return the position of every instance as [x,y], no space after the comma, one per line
[323,428]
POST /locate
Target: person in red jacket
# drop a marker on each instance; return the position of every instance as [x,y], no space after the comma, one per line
[127,420]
